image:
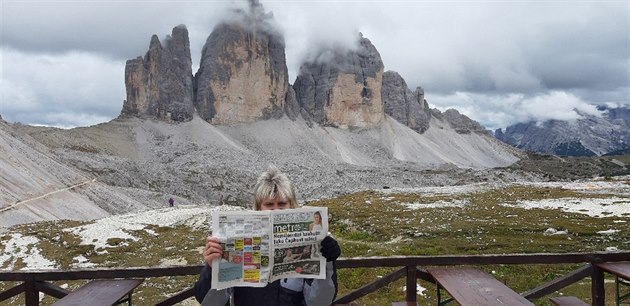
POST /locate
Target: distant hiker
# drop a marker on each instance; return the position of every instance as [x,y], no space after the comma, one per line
[272,191]
[171,202]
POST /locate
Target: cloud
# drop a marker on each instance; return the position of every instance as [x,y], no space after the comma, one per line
[498,111]
[489,53]
[65,90]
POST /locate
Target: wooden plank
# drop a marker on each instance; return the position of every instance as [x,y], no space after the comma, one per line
[51,289]
[371,287]
[598,293]
[342,263]
[456,260]
[9,293]
[100,292]
[567,301]
[100,273]
[411,283]
[621,269]
[190,292]
[31,296]
[558,283]
[423,275]
[473,287]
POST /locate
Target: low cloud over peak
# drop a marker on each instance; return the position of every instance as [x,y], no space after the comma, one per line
[486,59]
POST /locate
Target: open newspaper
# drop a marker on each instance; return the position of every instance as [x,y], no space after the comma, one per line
[262,246]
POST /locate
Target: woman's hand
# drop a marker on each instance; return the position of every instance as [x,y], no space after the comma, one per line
[212,250]
[330,248]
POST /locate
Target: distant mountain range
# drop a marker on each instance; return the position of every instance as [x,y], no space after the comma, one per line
[588,136]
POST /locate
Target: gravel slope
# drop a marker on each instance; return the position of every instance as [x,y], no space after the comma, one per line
[129,165]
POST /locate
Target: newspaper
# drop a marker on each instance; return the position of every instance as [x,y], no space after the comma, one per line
[262,246]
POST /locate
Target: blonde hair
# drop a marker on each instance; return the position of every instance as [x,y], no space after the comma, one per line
[273,183]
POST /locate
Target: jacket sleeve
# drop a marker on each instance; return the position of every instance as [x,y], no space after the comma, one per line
[207,296]
[322,292]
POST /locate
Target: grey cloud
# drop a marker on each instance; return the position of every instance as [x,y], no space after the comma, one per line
[35,88]
[485,58]
[119,29]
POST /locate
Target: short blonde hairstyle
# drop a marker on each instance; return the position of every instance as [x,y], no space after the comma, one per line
[273,183]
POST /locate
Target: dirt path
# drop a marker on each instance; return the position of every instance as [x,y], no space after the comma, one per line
[47,194]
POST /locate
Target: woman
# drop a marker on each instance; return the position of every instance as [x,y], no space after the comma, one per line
[273,190]
[317,222]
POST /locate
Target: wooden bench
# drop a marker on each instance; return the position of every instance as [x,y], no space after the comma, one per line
[104,292]
[473,287]
[567,301]
[621,270]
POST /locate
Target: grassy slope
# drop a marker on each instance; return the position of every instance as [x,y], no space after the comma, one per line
[371,223]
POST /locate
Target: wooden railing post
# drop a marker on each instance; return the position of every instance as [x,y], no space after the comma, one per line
[597,287]
[31,295]
[412,282]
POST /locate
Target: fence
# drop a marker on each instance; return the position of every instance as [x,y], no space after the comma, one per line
[31,283]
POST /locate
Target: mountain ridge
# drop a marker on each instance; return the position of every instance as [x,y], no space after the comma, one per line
[589,135]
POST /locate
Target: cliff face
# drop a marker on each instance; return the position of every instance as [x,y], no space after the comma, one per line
[407,107]
[344,91]
[242,76]
[160,85]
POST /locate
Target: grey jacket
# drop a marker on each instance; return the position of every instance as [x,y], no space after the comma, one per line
[284,292]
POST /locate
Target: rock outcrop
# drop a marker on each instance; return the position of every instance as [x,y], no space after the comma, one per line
[160,85]
[459,122]
[344,90]
[407,107]
[243,74]
[243,78]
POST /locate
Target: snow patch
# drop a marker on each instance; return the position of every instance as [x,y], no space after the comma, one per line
[437,204]
[23,247]
[608,232]
[119,226]
[594,207]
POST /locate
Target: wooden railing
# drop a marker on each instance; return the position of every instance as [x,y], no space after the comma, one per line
[33,282]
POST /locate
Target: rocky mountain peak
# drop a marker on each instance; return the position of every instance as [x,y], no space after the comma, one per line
[589,135]
[160,85]
[461,123]
[407,107]
[343,87]
[243,74]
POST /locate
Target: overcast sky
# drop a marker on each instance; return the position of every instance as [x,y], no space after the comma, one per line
[498,62]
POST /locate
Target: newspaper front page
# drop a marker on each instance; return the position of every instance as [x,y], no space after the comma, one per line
[262,246]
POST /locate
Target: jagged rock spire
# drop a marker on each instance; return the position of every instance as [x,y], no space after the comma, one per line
[160,85]
[407,107]
[243,75]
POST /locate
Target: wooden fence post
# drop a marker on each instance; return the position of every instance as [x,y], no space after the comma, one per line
[597,287]
[412,282]
[31,295]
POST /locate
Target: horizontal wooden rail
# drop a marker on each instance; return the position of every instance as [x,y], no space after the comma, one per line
[34,282]
[490,259]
